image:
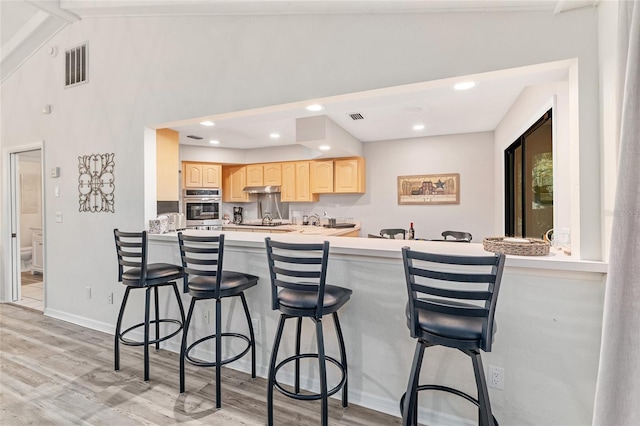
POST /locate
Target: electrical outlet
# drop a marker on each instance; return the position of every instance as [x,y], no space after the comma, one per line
[207,317]
[496,377]
[256,326]
[110,298]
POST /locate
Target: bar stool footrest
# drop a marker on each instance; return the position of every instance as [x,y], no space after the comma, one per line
[131,342]
[450,390]
[201,363]
[309,396]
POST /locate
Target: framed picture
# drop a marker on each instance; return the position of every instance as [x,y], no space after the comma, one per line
[429,189]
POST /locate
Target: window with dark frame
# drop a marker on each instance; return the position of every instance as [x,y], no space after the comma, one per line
[529,181]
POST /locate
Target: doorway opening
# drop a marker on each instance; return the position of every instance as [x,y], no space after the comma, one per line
[27,229]
[529,181]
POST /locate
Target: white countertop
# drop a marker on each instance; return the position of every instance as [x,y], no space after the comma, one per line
[297,229]
[387,248]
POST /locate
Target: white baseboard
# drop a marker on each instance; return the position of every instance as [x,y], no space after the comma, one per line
[81,321]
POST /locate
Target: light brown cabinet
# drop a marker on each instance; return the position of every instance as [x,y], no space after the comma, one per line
[264,174]
[167,165]
[296,182]
[201,175]
[349,175]
[234,179]
[322,177]
[273,174]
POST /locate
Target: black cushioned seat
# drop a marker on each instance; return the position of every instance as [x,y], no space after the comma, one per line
[135,272]
[204,277]
[298,290]
[457,312]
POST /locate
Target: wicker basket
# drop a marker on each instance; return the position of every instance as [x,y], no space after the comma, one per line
[534,247]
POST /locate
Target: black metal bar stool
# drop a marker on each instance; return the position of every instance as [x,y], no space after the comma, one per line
[135,272]
[205,278]
[298,290]
[452,301]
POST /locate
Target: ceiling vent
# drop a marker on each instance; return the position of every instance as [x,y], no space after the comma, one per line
[356,116]
[75,60]
[198,138]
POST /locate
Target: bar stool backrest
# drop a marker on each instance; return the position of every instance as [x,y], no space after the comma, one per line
[459,286]
[201,256]
[299,267]
[457,235]
[131,248]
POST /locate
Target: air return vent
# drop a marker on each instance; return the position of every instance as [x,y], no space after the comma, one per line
[356,116]
[75,60]
[198,138]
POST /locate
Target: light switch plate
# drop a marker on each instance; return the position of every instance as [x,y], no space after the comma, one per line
[54,172]
[58,217]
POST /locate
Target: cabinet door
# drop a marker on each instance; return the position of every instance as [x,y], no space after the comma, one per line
[322,177]
[255,175]
[303,182]
[211,175]
[192,173]
[273,174]
[36,249]
[288,189]
[235,179]
[349,175]
[167,165]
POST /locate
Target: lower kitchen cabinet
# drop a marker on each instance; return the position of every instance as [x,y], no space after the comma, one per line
[37,264]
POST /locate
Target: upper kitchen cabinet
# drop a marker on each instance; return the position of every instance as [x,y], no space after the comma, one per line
[349,175]
[296,185]
[322,177]
[234,180]
[264,174]
[167,165]
[201,175]
[273,174]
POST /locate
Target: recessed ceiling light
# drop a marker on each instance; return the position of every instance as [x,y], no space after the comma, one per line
[274,135]
[207,123]
[464,85]
[315,107]
[214,142]
[418,127]
[324,147]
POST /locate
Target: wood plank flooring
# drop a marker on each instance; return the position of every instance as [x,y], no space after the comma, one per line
[57,373]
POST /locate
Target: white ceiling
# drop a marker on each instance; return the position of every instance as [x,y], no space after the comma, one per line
[388,113]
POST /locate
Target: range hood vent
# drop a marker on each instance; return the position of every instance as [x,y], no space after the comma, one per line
[273,189]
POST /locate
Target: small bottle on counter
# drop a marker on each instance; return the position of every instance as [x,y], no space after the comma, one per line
[412,232]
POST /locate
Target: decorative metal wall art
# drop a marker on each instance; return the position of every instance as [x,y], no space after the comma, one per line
[429,189]
[95,183]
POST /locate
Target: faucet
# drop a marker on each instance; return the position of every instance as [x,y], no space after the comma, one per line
[267,219]
[314,219]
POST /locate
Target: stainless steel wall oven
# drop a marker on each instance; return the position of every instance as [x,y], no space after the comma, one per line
[202,206]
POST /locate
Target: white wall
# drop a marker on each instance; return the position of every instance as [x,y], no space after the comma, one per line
[144,71]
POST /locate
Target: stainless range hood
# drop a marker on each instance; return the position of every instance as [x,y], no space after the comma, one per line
[272,189]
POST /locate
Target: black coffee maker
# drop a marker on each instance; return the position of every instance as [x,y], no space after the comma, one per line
[237,215]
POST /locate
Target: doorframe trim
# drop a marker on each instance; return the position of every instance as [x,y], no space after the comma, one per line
[8,257]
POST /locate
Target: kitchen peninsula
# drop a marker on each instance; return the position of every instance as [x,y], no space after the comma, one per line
[547,319]
[346,231]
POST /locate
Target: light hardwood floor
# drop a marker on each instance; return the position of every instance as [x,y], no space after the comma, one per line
[57,373]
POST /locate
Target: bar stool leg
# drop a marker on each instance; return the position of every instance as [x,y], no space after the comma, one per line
[147,302]
[409,411]
[485,415]
[179,300]
[343,361]
[251,336]
[157,312]
[218,354]
[116,346]
[183,346]
[272,368]
[297,361]
[322,367]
